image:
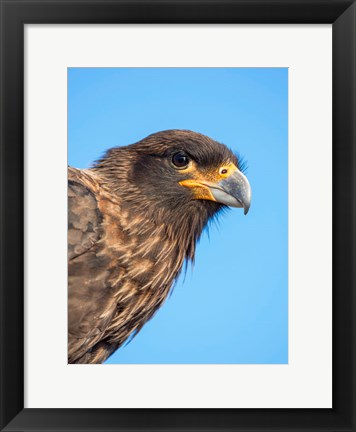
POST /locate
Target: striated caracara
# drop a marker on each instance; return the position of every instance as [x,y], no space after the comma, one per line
[133,219]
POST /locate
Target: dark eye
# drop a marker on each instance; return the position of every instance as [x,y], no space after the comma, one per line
[180,160]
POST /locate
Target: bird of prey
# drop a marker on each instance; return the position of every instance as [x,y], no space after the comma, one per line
[133,219]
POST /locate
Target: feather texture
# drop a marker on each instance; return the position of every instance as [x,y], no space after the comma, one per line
[130,229]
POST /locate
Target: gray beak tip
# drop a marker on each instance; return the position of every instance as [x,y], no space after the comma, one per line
[237,190]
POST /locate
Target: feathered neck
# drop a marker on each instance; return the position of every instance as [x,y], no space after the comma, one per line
[182,218]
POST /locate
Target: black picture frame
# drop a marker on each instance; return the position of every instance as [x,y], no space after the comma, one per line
[14,15]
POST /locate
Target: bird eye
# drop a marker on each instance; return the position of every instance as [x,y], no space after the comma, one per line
[180,160]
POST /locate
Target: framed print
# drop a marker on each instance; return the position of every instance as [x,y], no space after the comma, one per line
[269,342]
[166,115]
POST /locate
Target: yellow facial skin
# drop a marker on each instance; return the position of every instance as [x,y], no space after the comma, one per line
[201,180]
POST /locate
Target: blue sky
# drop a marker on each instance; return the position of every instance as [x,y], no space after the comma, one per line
[232,307]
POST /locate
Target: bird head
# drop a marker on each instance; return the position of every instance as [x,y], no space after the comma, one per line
[178,173]
[181,167]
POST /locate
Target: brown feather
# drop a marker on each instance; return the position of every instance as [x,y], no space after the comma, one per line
[130,229]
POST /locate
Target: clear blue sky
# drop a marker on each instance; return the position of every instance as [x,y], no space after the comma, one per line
[232,307]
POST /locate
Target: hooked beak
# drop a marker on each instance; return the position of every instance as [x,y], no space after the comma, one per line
[234,191]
